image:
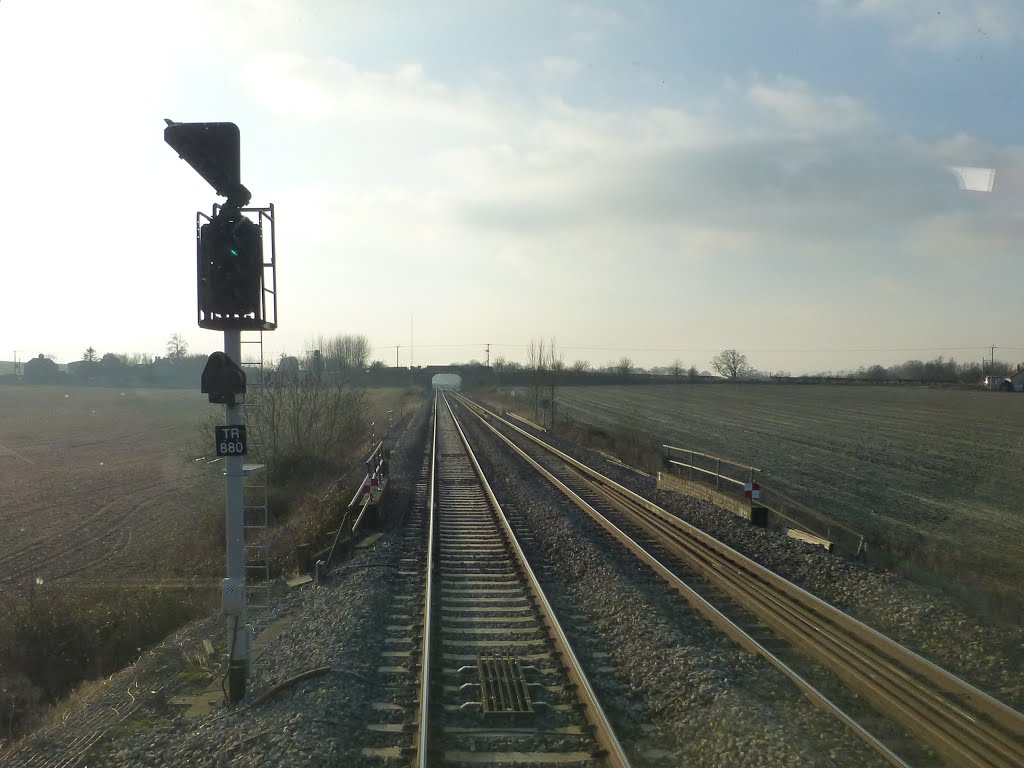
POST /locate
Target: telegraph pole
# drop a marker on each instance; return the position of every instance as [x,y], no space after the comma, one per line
[396,354]
[488,354]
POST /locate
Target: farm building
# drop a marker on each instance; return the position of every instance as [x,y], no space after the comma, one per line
[1014,382]
[41,370]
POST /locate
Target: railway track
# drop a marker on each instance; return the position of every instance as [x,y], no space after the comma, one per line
[943,714]
[498,682]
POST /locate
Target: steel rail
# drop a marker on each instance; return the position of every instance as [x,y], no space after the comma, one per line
[718,619]
[615,756]
[797,618]
[972,742]
[423,720]
[603,731]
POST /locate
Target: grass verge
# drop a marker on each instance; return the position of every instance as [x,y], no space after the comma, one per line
[54,638]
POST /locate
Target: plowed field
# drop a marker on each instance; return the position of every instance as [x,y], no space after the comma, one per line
[99,482]
[95,480]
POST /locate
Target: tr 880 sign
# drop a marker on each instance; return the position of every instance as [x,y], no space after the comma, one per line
[231,441]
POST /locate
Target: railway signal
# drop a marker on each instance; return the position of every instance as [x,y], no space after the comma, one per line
[231,273]
[237,290]
[214,151]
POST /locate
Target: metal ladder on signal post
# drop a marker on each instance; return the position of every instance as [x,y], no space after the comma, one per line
[257,522]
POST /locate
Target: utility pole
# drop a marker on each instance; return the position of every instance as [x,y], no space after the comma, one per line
[488,354]
[396,354]
[992,360]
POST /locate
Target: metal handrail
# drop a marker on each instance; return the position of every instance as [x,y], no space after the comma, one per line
[372,471]
[711,456]
[711,472]
[346,519]
[769,495]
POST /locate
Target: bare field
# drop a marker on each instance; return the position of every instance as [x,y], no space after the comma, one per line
[936,475]
[94,478]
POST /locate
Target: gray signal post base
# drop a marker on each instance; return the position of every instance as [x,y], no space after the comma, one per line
[234,596]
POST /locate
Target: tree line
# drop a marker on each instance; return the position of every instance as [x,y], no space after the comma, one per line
[342,358]
[939,369]
[731,364]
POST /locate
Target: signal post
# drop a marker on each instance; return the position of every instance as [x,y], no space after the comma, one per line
[236,291]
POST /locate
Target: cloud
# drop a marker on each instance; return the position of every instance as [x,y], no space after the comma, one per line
[966,238]
[321,89]
[589,23]
[560,67]
[773,187]
[891,287]
[794,105]
[479,168]
[942,25]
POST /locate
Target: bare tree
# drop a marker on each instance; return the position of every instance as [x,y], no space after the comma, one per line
[177,347]
[731,364]
[344,356]
[537,364]
[624,366]
[305,421]
[556,364]
[676,369]
[499,366]
[580,366]
[692,372]
[353,350]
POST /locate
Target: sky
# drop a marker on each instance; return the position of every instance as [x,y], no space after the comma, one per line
[657,180]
